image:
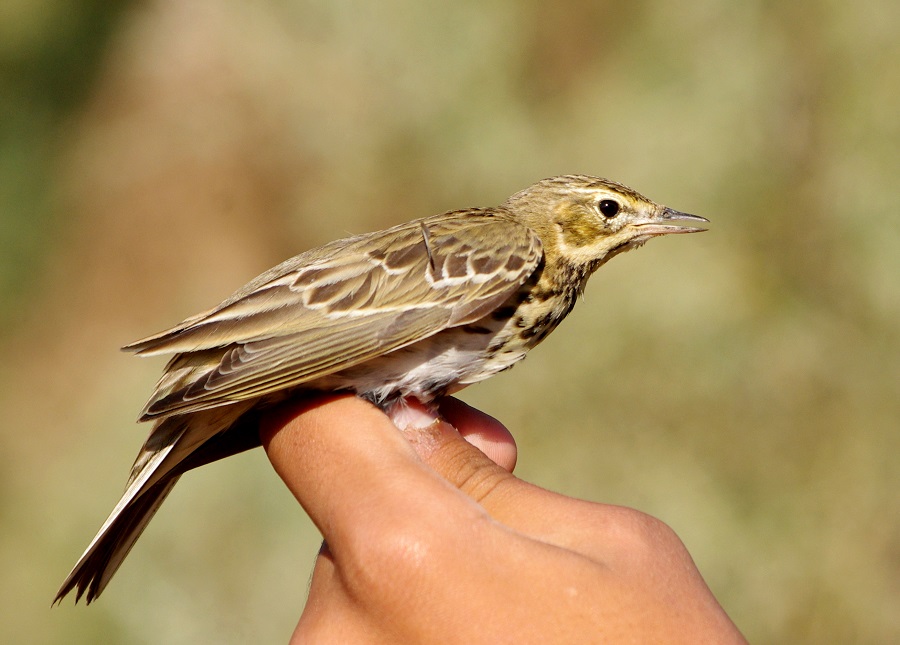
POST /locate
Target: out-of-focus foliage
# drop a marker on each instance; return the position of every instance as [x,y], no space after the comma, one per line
[49,54]
[741,385]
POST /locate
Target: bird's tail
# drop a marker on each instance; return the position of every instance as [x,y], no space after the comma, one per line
[108,549]
[176,444]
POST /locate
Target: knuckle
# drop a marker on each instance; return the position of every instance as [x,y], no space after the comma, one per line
[394,561]
[642,538]
[472,472]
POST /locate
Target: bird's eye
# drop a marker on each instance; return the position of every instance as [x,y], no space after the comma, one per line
[608,207]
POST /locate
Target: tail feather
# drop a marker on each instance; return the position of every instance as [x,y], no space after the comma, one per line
[107,551]
[176,444]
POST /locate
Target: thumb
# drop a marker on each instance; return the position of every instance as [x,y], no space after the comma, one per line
[481,430]
[476,453]
[357,477]
[468,448]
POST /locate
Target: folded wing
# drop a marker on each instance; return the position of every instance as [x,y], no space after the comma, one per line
[340,305]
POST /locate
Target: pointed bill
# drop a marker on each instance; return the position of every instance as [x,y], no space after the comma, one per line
[657,224]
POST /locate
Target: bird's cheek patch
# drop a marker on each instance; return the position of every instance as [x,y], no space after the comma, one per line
[579,229]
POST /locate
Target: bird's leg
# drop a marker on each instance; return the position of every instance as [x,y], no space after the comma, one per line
[409,413]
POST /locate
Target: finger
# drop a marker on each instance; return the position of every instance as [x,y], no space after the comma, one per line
[459,461]
[355,475]
[534,511]
[481,430]
[352,471]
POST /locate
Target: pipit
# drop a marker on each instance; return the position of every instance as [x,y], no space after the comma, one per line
[418,311]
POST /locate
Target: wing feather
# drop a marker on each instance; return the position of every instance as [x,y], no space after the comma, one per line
[340,305]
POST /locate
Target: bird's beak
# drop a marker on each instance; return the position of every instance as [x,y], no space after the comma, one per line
[656,224]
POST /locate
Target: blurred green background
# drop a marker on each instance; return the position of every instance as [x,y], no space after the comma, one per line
[741,385]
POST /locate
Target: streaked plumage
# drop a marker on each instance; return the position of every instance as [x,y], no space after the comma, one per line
[418,310]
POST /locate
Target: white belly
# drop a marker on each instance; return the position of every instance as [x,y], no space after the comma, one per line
[443,363]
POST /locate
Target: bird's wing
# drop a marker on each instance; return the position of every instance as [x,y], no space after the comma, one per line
[340,305]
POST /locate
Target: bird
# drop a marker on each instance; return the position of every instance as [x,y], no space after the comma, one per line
[407,314]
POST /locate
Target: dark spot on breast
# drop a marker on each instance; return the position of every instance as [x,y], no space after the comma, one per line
[570,304]
[533,335]
[539,328]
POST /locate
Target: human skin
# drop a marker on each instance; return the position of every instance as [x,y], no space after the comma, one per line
[432,539]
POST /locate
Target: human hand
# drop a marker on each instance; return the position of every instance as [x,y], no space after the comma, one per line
[430,541]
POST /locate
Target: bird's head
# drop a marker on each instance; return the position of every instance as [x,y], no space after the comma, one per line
[587,220]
